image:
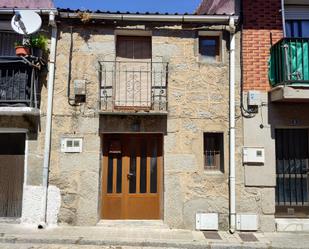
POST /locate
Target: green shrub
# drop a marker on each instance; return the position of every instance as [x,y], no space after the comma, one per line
[39,41]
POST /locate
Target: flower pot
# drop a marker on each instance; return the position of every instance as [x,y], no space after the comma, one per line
[37,52]
[22,51]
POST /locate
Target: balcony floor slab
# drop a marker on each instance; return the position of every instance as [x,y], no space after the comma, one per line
[289,94]
[19,111]
[139,113]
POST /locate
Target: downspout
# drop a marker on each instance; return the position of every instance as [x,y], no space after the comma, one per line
[283,18]
[50,84]
[232,128]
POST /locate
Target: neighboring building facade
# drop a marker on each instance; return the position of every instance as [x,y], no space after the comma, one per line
[276,112]
[23,95]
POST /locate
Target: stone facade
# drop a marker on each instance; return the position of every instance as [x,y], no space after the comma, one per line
[198,102]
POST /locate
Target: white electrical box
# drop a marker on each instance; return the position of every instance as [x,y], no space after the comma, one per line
[79,87]
[253,155]
[247,222]
[254,98]
[71,145]
[206,221]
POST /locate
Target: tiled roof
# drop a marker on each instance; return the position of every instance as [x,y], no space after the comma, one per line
[31,4]
[216,7]
[121,12]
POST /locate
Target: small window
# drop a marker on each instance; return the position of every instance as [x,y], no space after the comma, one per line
[297,28]
[213,151]
[209,48]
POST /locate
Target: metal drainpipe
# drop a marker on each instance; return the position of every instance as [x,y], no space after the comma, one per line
[232,129]
[50,83]
[283,18]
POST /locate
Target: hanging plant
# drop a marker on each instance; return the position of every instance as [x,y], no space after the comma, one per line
[21,49]
[38,44]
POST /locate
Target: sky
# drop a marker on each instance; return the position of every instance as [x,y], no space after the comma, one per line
[162,6]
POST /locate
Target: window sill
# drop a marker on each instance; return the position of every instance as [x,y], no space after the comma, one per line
[216,63]
[214,172]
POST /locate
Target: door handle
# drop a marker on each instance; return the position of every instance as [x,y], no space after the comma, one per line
[130,175]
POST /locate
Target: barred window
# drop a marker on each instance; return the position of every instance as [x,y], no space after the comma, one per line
[213,151]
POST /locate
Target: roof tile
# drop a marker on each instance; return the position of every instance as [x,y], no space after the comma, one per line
[216,7]
[31,4]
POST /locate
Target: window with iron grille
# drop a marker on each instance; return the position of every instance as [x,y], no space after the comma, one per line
[7,43]
[213,151]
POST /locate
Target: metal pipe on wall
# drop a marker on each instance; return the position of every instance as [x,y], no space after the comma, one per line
[232,176]
[11,11]
[283,18]
[50,85]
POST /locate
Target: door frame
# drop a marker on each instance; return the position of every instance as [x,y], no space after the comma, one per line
[26,132]
[101,176]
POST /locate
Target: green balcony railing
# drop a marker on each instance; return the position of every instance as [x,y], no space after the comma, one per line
[289,62]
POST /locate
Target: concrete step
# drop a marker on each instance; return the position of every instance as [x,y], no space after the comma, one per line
[9,220]
[137,224]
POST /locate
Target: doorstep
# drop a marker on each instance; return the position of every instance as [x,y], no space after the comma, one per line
[138,224]
[9,220]
[292,225]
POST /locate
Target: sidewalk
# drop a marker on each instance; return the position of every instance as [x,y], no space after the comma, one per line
[22,237]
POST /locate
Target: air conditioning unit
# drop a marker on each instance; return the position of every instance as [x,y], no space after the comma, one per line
[71,145]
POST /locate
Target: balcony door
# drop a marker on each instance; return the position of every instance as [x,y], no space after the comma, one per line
[292,195]
[133,72]
[132,176]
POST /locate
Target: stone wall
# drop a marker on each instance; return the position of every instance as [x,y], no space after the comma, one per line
[198,102]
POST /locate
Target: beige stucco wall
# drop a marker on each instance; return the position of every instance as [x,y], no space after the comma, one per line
[259,131]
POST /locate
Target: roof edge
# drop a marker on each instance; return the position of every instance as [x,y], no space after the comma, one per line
[42,11]
[183,18]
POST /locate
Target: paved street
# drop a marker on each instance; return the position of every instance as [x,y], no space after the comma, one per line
[116,236]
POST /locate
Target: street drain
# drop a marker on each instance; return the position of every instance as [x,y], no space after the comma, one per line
[248,237]
[212,235]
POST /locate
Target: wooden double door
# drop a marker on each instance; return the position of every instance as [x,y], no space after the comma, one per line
[132,176]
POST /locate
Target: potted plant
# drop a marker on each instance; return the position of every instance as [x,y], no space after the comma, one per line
[38,44]
[21,49]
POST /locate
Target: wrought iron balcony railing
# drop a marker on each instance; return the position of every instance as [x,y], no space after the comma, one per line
[133,86]
[289,62]
[18,83]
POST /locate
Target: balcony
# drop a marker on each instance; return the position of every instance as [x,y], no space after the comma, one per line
[133,87]
[289,70]
[19,88]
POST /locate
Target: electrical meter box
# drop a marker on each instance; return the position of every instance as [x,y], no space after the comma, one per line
[71,145]
[80,91]
[254,98]
[253,155]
